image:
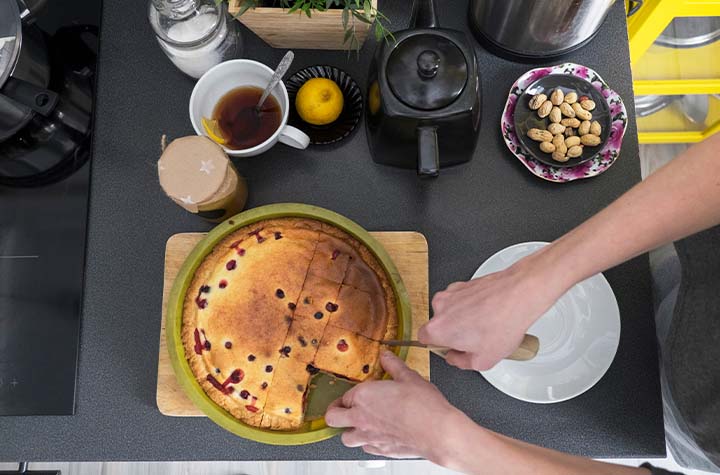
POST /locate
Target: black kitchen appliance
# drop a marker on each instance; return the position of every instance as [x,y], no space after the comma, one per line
[48,53]
[424,96]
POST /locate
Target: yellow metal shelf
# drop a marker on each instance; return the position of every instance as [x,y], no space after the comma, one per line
[662,62]
[670,125]
[655,15]
[669,71]
[670,137]
[668,87]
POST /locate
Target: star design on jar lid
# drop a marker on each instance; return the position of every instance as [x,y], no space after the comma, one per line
[187,200]
[207,166]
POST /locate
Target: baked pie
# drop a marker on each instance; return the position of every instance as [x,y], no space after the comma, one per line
[277,302]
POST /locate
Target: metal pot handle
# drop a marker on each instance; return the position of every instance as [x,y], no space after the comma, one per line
[428,152]
[29,9]
[41,100]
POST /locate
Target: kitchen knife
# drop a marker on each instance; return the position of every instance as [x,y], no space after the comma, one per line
[527,350]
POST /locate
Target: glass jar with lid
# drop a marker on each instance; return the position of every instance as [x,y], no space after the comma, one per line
[195,34]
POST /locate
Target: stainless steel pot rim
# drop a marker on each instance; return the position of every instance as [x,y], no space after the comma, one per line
[647,105]
[710,35]
[693,42]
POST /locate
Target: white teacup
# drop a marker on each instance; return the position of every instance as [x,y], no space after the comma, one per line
[224,77]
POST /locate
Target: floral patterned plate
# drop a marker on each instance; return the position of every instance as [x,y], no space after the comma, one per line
[601,161]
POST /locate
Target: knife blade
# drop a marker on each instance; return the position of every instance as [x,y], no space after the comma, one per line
[527,350]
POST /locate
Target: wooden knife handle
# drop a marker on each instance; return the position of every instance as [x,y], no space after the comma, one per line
[527,350]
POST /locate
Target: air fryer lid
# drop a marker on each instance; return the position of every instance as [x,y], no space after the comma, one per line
[10,36]
[427,71]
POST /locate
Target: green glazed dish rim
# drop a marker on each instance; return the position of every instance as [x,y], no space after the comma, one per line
[318,430]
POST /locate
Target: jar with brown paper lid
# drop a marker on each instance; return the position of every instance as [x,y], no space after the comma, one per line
[196,174]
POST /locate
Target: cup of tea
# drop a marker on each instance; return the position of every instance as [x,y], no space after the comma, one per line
[227,95]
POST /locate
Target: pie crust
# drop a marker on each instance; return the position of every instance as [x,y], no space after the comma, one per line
[274,303]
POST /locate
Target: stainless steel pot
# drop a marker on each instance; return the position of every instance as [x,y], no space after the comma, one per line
[537,29]
[24,69]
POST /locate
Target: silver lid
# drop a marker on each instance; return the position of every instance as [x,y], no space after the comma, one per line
[10,38]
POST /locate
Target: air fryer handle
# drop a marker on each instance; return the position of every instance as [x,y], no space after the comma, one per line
[423,14]
[428,153]
[39,99]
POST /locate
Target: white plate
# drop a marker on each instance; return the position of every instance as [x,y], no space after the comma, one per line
[578,336]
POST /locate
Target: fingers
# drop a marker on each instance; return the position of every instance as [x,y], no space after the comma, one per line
[439,331]
[467,360]
[439,302]
[455,286]
[355,438]
[336,403]
[395,367]
[372,450]
[423,334]
[337,416]
[349,397]
[461,359]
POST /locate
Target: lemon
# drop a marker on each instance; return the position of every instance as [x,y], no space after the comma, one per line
[319,101]
[212,128]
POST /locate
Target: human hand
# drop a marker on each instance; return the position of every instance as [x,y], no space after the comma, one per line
[403,418]
[484,320]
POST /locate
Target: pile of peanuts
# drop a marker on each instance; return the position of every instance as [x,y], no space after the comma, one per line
[571,126]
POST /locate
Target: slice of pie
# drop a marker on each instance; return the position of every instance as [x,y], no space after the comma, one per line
[347,354]
[276,302]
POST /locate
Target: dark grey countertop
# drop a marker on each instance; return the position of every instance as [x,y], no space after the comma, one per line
[467,214]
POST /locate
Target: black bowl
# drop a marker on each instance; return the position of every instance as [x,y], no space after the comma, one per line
[526,119]
[352,108]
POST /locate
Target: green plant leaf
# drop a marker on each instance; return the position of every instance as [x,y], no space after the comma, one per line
[360,17]
[245,5]
[345,17]
[348,34]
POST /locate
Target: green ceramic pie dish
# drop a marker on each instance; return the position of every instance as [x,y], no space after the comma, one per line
[313,431]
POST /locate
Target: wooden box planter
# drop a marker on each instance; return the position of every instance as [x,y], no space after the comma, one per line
[282,30]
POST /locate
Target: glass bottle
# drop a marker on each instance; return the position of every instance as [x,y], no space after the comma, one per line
[195,34]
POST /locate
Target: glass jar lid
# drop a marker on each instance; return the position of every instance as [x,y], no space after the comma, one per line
[186,23]
[427,71]
[10,38]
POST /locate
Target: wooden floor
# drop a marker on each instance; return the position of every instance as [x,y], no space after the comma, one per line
[651,157]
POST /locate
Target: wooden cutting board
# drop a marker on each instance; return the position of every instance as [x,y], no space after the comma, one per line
[409,252]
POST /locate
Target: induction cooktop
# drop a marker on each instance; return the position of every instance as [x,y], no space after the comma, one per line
[44,187]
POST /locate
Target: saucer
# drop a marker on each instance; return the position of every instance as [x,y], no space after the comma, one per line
[602,160]
[578,336]
[352,111]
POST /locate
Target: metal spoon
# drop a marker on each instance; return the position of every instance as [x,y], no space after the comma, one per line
[280,71]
